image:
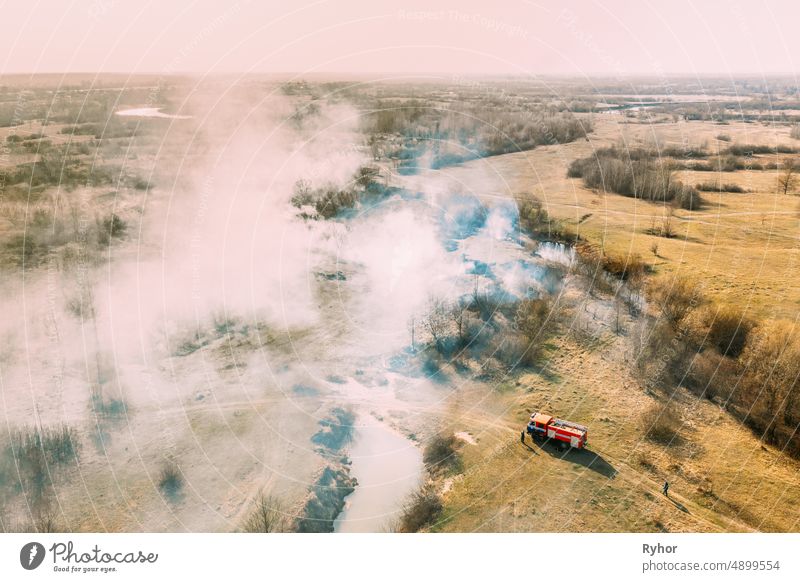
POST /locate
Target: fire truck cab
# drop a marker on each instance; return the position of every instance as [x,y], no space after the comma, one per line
[567,434]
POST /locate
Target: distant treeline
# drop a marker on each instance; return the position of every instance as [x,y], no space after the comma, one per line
[465,131]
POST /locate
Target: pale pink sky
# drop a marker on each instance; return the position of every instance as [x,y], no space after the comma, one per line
[417,36]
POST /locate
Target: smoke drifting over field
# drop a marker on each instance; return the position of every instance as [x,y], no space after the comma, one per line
[232,241]
[235,287]
[220,242]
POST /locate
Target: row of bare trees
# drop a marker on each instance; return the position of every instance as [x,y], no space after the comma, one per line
[644,176]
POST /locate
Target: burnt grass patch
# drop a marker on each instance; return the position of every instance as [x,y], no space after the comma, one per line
[30,458]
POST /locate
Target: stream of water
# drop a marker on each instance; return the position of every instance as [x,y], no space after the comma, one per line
[388,468]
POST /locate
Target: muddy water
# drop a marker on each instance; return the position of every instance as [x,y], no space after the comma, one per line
[388,468]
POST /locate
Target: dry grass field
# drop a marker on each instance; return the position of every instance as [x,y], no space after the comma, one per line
[742,247]
[722,477]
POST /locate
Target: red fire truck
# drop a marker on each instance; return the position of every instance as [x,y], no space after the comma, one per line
[565,433]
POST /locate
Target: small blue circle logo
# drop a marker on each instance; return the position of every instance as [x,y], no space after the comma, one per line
[31,555]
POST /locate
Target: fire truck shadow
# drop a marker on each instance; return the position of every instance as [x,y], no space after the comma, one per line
[582,457]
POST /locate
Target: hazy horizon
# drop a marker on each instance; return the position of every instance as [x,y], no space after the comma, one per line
[546,38]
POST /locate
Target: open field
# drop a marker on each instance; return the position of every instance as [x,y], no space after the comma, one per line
[743,247]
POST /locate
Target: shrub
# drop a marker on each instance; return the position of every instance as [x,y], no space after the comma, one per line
[729,163]
[441,453]
[576,168]
[536,221]
[683,152]
[56,445]
[473,129]
[654,353]
[752,149]
[328,201]
[664,229]
[661,424]
[713,376]
[111,227]
[33,454]
[23,251]
[109,407]
[532,319]
[634,173]
[769,393]
[326,500]
[420,511]
[332,201]
[623,267]
[717,187]
[170,479]
[366,176]
[513,351]
[688,198]
[728,328]
[677,298]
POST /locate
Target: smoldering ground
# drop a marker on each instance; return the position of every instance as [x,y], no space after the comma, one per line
[187,342]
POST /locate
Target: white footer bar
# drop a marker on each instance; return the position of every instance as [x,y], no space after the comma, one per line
[389,557]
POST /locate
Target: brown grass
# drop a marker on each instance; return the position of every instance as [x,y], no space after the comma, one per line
[661,424]
[676,298]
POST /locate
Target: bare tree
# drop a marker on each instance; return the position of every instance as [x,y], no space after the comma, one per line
[788,178]
[436,321]
[45,518]
[267,516]
[666,226]
[534,319]
[457,312]
[531,317]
